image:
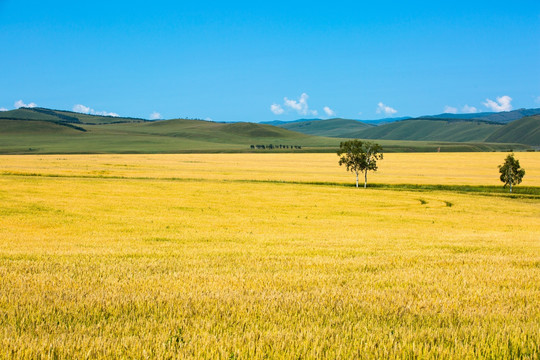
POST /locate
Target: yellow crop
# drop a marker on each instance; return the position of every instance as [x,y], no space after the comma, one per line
[396,168]
[172,256]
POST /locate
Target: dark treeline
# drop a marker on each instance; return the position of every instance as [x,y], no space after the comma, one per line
[272,147]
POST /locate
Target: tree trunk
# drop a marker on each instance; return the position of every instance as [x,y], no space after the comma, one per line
[509,178]
[357,179]
[365,180]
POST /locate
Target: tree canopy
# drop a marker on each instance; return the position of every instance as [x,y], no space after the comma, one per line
[359,156]
[511,172]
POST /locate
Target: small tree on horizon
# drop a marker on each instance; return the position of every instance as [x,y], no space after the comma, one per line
[511,172]
[358,156]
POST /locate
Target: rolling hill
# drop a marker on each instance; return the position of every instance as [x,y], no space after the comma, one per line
[241,133]
[524,131]
[445,127]
[63,116]
[166,136]
[332,127]
[40,130]
[431,129]
[281,123]
[37,127]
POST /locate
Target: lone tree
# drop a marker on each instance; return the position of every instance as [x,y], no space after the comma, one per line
[511,173]
[359,157]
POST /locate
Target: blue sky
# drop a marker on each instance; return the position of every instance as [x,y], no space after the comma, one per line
[245,61]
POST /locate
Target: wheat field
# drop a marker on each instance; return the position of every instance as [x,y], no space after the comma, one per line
[396,168]
[258,256]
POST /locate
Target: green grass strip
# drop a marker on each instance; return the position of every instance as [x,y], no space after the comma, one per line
[527,192]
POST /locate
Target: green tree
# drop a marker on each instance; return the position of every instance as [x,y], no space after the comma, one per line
[511,173]
[358,156]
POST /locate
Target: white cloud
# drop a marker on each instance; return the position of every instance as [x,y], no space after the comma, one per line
[208,119]
[155,115]
[300,105]
[450,110]
[3,109]
[329,111]
[464,110]
[81,109]
[106,113]
[386,110]
[469,109]
[276,109]
[537,99]
[20,104]
[503,104]
[87,110]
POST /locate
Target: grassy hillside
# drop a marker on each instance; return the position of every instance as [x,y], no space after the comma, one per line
[168,136]
[37,127]
[33,114]
[331,127]
[208,131]
[525,131]
[182,136]
[99,119]
[63,116]
[423,129]
[431,130]
[50,131]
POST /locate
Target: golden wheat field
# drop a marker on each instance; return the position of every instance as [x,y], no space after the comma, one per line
[256,256]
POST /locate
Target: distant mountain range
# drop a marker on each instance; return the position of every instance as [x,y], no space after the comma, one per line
[519,126]
[499,117]
[371,122]
[40,130]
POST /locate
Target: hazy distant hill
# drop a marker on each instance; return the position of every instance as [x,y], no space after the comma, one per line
[410,129]
[524,131]
[500,117]
[354,128]
[282,123]
[431,129]
[385,120]
[332,127]
[442,127]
